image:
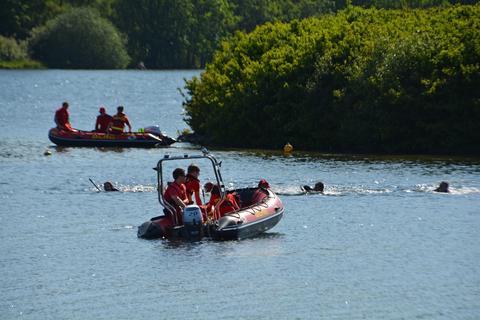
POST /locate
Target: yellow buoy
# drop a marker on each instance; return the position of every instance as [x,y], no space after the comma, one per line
[287,148]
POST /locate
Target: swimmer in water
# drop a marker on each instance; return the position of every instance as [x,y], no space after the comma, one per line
[318,188]
[442,187]
[108,186]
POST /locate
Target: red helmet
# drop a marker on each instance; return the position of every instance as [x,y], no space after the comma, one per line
[263,184]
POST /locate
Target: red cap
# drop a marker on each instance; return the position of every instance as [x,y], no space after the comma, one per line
[263,184]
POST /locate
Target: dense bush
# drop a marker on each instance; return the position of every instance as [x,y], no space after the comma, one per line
[11,50]
[363,80]
[183,33]
[79,38]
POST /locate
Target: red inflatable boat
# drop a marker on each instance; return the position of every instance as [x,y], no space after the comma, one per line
[250,220]
[96,139]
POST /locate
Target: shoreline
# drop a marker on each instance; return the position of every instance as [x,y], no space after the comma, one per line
[355,156]
[22,65]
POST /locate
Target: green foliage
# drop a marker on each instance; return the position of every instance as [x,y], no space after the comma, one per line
[363,80]
[19,17]
[183,33]
[252,13]
[21,64]
[11,50]
[173,34]
[79,38]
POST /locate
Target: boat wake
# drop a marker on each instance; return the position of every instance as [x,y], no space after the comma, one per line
[345,190]
[129,188]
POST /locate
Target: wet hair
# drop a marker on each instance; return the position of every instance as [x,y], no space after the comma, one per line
[208,186]
[120,108]
[179,172]
[193,168]
[108,186]
[442,187]
[65,104]
[319,186]
[216,190]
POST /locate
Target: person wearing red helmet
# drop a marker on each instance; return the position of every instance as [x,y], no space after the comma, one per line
[261,193]
[103,120]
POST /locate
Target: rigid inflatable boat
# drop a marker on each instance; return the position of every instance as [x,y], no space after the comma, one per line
[250,220]
[95,139]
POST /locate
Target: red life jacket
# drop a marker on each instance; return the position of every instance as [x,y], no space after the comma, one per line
[193,186]
[102,123]
[118,122]
[62,119]
[229,204]
[258,196]
[175,190]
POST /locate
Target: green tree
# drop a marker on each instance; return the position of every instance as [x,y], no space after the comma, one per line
[18,17]
[79,38]
[157,31]
[212,21]
[11,50]
[174,34]
[363,80]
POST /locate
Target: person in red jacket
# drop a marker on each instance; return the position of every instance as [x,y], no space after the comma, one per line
[119,121]
[176,193]
[103,120]
[214,197]
[222,206]
[62,118]
[192,183]
[261,193]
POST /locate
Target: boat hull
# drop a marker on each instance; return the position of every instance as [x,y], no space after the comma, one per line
[248,230]
[94,139]
[248,222]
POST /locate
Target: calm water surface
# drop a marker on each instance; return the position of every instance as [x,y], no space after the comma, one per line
[378,245]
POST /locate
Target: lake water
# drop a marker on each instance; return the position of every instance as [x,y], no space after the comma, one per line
[379,244]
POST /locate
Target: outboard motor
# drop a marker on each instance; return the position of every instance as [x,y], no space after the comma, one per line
[153,130]
[193,223]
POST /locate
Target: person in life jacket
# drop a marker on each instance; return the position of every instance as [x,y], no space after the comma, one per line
[261,193]
[222,206]
[103,120]
[192,183]
[176,193]
[62,118]
[208,187]
[119,121]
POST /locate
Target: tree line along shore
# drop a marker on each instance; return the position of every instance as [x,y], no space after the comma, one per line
[358,81]
[378,76]
[156,34]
